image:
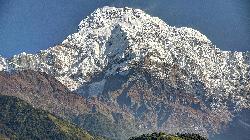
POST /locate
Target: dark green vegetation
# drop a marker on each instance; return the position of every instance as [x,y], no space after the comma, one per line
[19,120]
[164,136]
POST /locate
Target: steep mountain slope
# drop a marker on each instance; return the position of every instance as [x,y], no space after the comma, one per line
[136,68]
[237,129]
[42,91]
[19,120]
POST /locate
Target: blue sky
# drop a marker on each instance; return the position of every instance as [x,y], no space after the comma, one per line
[29,25]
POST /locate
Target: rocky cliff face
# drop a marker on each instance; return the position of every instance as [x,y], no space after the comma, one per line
[142,69]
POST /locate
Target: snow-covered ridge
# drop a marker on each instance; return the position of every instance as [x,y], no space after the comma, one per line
[3,64]
[117,39]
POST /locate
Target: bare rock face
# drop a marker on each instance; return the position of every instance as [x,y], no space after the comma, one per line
[138,68]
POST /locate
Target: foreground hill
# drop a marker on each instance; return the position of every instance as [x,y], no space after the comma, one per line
[19,120]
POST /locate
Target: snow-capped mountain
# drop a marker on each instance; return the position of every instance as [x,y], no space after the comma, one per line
[159,75]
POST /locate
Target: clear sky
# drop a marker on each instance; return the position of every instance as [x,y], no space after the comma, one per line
[32,25]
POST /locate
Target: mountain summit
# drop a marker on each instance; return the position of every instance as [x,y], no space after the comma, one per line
[163,77]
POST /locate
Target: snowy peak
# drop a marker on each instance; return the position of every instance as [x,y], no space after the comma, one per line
[141,30]
[136,33]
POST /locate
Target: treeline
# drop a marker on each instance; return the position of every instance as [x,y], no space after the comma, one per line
[188,136]
[164,136]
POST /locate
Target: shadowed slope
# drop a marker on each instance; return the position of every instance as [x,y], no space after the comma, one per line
[19,120]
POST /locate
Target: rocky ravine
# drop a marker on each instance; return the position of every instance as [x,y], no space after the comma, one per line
[163,77]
